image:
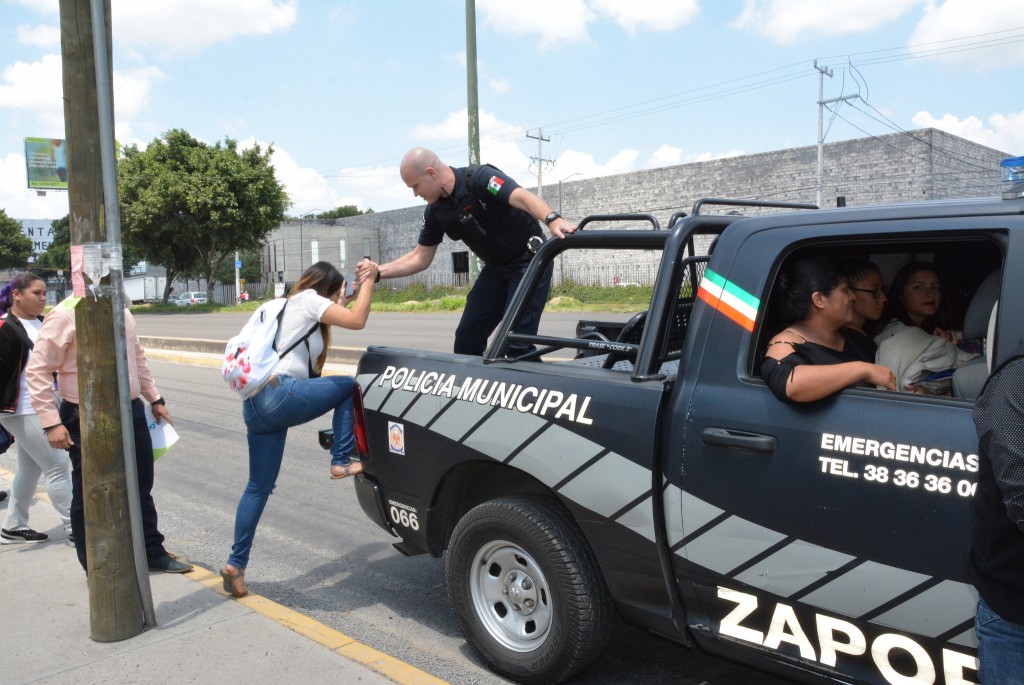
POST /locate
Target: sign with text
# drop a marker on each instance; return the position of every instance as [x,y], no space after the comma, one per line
[46,163]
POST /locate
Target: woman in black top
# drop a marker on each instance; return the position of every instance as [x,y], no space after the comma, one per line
[810,358]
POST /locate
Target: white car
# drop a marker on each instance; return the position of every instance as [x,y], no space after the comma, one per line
[190,298]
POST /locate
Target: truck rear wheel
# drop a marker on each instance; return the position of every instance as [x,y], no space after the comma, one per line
[527,590]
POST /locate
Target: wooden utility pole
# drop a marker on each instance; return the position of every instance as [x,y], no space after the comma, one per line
[115,602]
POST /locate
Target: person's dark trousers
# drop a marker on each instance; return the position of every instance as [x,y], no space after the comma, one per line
[488,299]
[144,463]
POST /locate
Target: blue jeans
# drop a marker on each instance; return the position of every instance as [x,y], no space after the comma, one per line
[268,416]
[1000,647]
[487,301]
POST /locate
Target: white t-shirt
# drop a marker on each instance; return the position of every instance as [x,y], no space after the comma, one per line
[302,311]
[24,401]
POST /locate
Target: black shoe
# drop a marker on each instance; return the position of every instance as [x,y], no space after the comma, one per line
[14,537]
[3,495]
[169,563]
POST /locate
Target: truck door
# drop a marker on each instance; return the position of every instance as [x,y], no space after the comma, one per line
[830,534]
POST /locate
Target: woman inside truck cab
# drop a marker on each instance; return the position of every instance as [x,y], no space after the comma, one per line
[917,343]
[811,357]
[865,279]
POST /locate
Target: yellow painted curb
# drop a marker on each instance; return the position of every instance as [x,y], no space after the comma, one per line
[388,666]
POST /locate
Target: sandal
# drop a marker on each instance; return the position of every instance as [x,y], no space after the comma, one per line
[339,471]
[234,582]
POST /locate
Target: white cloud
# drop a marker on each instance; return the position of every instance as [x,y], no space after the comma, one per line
[666,155]
[21,203]
[708,156]
[652,15]
[185,26]
[1003,132]
[132,88]
[790,21]
[40,36]
[944,26]
[36,88]
[557,23]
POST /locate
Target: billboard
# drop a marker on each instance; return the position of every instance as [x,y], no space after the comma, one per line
[46,163]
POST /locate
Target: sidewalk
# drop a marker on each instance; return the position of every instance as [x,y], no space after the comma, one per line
[202,636]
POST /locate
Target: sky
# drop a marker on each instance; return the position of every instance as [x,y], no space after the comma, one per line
[342,89]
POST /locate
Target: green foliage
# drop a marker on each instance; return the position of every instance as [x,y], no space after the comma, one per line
[250,272]
[15,248]
[58,255]
[339,212]
[628,295]
[188,205]
[569,296]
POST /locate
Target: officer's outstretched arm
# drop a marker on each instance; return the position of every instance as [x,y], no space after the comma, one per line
[539,209]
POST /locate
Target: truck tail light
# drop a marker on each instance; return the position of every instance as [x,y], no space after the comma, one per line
[359,422]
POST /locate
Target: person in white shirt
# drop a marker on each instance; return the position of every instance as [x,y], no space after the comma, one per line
[21,304]
[295,394]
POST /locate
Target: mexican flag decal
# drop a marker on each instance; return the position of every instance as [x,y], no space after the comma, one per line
[729,299]
[494,185]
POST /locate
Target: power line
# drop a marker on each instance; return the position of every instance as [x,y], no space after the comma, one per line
[716,91]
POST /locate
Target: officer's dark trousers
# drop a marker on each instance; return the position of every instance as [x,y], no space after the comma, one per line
[144,463]
[489,298]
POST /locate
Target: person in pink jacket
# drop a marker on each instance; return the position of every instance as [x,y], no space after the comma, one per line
[56,351]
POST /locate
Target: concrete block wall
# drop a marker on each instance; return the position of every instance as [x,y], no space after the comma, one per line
[926,164]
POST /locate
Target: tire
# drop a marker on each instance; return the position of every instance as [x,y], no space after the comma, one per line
[527,590]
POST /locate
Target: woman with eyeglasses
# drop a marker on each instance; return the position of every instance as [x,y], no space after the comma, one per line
[915,343]
[865,279]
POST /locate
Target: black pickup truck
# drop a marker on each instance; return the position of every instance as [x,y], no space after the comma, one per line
[653,477]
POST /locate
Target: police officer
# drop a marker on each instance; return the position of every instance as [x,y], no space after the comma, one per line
[496,219]
[997,534]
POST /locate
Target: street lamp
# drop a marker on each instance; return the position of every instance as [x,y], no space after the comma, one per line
[575,173]
[302,248]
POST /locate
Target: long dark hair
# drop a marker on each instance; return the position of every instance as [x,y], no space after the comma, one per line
[800,279]
[894,307]
[326,280]
[20,282]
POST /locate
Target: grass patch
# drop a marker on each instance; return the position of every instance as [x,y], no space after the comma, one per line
[568,296]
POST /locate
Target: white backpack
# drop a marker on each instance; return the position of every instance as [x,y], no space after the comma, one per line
[251,356]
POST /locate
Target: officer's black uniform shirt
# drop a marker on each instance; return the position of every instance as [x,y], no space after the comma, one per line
[478,213]
[997,534]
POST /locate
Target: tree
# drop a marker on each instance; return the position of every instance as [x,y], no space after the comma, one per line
[58,254]
[188,206]
[251,271]
[15,247]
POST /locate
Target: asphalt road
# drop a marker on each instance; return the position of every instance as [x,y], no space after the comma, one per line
[433,332]
[317,553]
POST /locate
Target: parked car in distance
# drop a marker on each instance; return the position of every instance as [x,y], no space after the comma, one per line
[190,298]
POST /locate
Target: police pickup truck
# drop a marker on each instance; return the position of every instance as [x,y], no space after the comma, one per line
[651,476]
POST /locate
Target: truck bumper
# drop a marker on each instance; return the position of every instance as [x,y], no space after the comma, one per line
[370,498]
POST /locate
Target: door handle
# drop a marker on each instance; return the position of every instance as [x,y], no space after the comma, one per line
[741,440]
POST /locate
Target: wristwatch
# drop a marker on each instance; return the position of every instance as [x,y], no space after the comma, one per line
[551,217]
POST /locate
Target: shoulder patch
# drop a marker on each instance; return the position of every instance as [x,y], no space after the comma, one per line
[494,185]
